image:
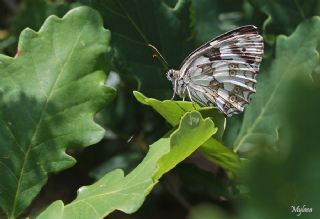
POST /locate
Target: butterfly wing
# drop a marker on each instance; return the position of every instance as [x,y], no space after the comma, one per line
[223,71]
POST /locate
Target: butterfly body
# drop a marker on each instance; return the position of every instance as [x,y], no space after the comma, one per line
[222,72]
[180,84]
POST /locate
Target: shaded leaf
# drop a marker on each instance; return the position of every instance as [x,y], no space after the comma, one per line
[293,179]
[127,193]
[219,154]
[296,57]
[134,25]
[207,211]
[48,97]
[214,17]
[31,14]
[232,129]
[285,15]
[197,185]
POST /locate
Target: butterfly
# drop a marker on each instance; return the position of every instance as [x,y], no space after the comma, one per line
[222,72]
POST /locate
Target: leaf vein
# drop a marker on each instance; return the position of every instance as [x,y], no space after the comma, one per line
[40,120]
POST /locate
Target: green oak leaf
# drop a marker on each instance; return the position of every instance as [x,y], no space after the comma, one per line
[221,155]
[49,95]
[285,15]
[126,193]
[172,111]
[292,180]
[212,149]
[134,25]
[296,57]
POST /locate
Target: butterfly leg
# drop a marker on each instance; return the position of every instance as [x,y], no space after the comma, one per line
[184,96]
[174,90]
[174,94]
[189,94]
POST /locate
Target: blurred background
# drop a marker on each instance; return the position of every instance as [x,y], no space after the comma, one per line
[273,178]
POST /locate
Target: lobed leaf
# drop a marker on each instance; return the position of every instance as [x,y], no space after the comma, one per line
[126,193]
[49,94]
[285,15]
[172,111]
[212,149]
[291,180]
[296,58]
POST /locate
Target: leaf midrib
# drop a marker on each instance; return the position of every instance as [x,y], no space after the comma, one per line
[125,185]
[40,120]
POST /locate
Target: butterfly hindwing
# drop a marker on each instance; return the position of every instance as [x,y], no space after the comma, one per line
[223,71]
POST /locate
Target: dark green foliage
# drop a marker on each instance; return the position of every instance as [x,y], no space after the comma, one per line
[255,165]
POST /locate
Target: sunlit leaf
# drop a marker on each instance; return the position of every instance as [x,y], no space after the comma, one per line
[213,150]
[49,94]
[172,111]
[127,193]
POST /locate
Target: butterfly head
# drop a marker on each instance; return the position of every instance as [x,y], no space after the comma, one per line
[172,74]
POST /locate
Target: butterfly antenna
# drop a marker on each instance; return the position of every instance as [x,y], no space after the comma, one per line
[158,55]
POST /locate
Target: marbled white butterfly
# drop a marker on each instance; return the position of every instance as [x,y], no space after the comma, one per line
[222,72]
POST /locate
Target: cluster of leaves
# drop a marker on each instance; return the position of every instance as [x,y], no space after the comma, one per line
[51,92]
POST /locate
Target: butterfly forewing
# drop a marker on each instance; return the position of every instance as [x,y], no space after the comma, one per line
[223,71]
